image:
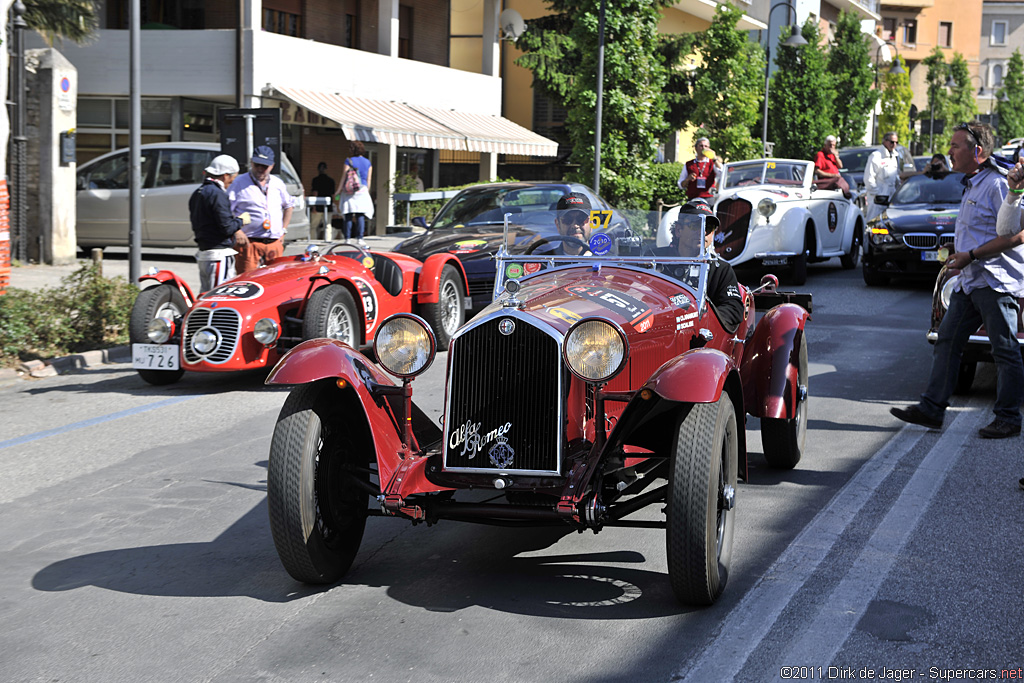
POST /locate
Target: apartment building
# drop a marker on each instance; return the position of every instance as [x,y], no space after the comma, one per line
[916,27]
[380,71]
[1002,32]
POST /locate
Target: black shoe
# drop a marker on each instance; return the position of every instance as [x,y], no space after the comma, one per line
[915,416]
[999,429]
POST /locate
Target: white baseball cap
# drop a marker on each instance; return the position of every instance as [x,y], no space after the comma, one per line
[225,163]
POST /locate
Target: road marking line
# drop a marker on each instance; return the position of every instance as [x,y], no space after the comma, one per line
[751,620]
[17,441]
[839,614]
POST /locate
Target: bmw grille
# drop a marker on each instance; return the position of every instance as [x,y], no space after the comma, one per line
[224,322]
[504,399]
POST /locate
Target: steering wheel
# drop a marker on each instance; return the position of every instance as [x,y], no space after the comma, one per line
[338,249]
[554,239]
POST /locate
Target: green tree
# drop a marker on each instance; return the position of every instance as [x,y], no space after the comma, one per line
[634,112]
[75,20]
[960,105]
[849,60]
[1010,105]
[800,111]
[728,89]
[935,81]
[896,99]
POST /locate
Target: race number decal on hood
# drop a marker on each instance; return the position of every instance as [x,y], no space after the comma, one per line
[623,304]
[235,291]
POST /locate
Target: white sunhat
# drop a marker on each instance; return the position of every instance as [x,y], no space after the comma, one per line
[225,163]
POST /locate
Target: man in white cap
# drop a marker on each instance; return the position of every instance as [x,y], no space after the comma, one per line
[217,232]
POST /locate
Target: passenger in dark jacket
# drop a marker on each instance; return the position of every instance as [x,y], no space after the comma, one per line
[723,287]
[216,231]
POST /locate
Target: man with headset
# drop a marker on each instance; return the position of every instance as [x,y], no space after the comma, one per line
[991,280]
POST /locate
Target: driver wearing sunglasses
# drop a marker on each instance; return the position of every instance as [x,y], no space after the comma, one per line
[573,221]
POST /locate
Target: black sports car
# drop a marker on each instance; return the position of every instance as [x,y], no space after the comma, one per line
[470,226]
[908,238]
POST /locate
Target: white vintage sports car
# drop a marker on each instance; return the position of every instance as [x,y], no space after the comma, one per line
[772,215]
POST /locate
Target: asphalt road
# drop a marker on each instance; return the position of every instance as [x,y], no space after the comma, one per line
[136,546]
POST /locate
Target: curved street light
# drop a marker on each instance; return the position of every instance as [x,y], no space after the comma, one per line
[794,40]
[895,69]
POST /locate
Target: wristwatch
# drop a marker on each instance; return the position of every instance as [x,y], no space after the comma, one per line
[970,252]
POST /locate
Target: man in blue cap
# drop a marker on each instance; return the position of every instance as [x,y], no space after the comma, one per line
[265,198]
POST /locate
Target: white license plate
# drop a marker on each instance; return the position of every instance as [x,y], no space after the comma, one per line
[780,261]
[929,256]
[154,356]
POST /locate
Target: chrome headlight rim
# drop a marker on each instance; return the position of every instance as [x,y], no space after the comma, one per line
[205,341]
[384,345]
[584,326]
[767,207]
[160,329]
[947,291]
[266,331]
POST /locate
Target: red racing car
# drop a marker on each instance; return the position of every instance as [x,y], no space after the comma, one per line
[591,388]
[250,321]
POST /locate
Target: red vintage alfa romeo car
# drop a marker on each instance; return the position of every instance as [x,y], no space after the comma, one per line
[590,389]
[249,322]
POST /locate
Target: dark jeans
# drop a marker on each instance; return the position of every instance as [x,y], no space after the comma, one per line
[360,224]
[999,312]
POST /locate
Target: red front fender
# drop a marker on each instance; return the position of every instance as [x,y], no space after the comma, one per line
[770,363]
[427,288]
[319,359]
[166,276]
[694,377]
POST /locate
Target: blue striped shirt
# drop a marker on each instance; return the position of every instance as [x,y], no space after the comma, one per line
[976,225]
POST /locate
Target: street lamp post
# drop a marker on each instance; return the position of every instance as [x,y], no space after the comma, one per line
[794,40]
[894,69]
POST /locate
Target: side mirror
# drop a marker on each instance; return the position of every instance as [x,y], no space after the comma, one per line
[882,199]
[420,222]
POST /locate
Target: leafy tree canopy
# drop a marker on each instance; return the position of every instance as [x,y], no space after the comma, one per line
[728,87]
[800,102]
[76,20]
[1010,105]
[849,60]
[634,116]
[960,105]
[896,99]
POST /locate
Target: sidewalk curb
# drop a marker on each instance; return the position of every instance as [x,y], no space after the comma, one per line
[51,367]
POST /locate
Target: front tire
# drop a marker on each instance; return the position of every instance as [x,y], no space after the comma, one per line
[850,261]
[331,313]
[784,439]
[161,300]
[701,494]
[317,508]
[798,273]
[446,316]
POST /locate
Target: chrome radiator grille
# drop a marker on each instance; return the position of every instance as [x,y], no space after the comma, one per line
[504,404]
[224,322]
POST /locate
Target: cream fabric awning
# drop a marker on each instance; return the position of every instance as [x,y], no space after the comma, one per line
[405,125]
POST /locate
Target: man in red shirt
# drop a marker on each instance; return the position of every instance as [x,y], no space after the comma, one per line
[698,175]
[826,168]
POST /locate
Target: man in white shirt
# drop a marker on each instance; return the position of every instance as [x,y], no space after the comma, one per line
[881,175]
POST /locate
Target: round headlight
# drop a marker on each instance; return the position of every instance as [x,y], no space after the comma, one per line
[595,350]
[947,290]
[159,330]
[204,341]
[405,345]
[766,207]
[266,330]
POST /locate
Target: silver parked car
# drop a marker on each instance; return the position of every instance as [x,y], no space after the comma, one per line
[171,171]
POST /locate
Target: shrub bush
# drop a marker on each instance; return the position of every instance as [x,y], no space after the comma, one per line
[87,311]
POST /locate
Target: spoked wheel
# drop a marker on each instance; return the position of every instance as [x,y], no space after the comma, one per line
[701,495]
[317,507]
[784,439]
[850,261]
[331,313]
[161,301]
[446,316]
